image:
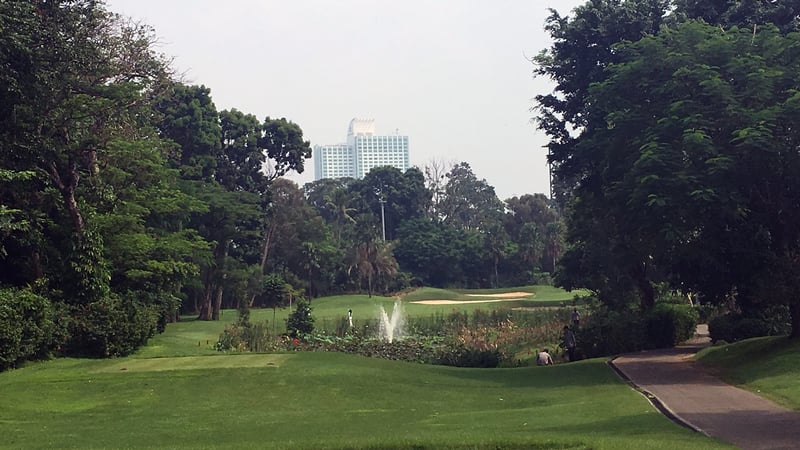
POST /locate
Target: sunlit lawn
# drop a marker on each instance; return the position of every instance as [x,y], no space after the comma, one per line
[766,365]
[179,393]
[325,400]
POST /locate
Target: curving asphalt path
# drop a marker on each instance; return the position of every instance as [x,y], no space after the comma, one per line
[683,391]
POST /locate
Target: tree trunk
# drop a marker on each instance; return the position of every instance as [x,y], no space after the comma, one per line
[217,304]
[265,250]
[36,262]
[205,307]
[795,310]
[647,294]
[496,274]
[648,300]
[67,189]
[212,290]
[195,297]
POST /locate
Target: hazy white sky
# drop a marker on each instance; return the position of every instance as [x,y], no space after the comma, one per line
[450,74]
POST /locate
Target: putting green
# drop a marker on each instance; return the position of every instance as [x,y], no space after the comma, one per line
[194,362]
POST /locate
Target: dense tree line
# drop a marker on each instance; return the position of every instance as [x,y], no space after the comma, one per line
[127,199]
[125,196]
[674,145]
[464,236]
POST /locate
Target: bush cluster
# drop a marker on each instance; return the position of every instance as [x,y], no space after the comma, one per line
[300,321]
[26,326]
[732,327]
[114,325]
[419,349]
[669,324]
[609,332]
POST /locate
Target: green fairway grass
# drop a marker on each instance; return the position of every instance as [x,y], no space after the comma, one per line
[179,393]
[765,365]
[193,362]
[326,400]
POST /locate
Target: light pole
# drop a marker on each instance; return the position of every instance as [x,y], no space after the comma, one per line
[382,201]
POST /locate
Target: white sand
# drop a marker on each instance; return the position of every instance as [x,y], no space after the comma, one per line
[514,295]
[461,302]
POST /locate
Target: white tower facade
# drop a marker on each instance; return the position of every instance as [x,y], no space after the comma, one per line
[363,151]
[334,161]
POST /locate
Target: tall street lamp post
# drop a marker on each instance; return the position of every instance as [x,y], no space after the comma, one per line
[382,201]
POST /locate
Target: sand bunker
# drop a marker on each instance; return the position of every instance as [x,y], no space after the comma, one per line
[461,302]
[486,298]
[503,295]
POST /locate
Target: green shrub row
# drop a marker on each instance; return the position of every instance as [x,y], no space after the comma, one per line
[26,326]
[115,325]
[31,326]
[418,349]
[732,327]
[608,332]
[488,338]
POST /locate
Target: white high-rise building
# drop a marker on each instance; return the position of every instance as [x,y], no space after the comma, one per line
[363,151]
[334,161]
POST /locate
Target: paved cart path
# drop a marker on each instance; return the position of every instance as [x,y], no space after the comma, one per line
[691,396]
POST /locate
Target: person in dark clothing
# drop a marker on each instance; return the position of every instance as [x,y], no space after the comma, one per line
[569,343]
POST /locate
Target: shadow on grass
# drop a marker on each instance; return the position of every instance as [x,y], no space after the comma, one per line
[484,446]
[593,372]
[195,362]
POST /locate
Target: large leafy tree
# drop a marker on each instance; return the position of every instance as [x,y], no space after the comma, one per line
[709,151]
[228,159]
[469,202]
[615,258]
[98,216]
[616,263]
[190,120]
[783,14]
[284,147]
[141,215]
[75,78]
[695,177]
[583,47]
[528,221]
[430,251]
[299,244]
[393,196]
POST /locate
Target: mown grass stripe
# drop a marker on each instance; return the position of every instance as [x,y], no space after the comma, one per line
[194,363]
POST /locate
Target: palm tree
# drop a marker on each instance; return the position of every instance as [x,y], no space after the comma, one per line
[338,202]
[496,241]
[531,244]
[554,242]
[370,259]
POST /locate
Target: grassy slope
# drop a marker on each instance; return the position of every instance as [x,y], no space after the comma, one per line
[175,393]
[319,400]
[767,365]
